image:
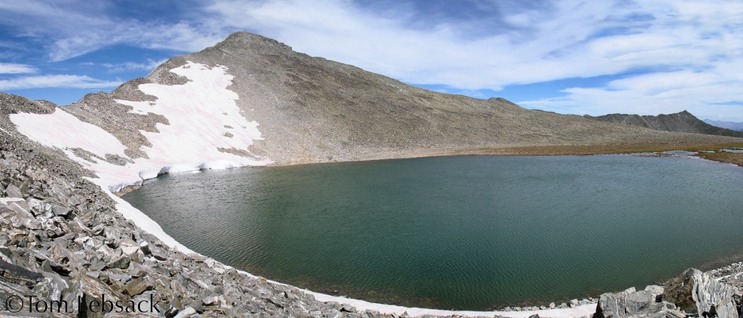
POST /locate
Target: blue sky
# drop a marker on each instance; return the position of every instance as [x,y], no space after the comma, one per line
[576,57]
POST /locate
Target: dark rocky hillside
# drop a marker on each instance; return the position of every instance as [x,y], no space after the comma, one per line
[678,122]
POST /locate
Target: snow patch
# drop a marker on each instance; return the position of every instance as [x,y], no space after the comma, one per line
[62,130]
[197,113]
[578,311]
[191,142]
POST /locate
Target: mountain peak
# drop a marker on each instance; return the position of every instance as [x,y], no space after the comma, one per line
[686,113]
[252,41]
[683,121]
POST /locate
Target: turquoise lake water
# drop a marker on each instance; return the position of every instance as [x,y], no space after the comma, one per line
[473,232]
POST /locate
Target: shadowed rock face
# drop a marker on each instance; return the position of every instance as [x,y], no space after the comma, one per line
[313,110]
[678,122]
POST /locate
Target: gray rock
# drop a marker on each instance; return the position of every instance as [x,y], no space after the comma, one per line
[627,303]
[185,313]
[13,191]
[707,292]
[59,210]
[121,262]
[14,274]
[38,207]
[137,286]
[128,247]
[211,300]
[654,289]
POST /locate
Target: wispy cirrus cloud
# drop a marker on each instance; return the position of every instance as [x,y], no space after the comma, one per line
[147,65]
[530,44]
[694,52]
[12,68]
[652,55]
[73,28]
[59,81]
[665,55]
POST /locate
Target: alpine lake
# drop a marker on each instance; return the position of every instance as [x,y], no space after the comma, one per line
[469,232]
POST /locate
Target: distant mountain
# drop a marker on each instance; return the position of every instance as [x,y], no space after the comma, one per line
[725,124]
[678,122]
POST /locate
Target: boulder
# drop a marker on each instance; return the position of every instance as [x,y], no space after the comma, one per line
[137,286]
[696,292]
[13,191]
[631,303]
[121,262]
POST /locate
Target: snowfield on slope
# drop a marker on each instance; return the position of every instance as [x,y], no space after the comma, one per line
[203,118]
[198,113]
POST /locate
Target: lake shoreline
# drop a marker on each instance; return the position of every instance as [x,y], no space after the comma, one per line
[505,309]
[85,208]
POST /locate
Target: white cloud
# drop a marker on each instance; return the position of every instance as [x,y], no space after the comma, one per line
[713,94]
[11,68]
[556,43]
[74,28]
[149,65]
[64,81]
[680,52]
[663,54]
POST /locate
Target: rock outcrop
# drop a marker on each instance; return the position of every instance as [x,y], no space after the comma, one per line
[696,292]
[692,293]
[632,303]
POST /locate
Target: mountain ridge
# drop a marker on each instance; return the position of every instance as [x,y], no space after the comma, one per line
[339,112]
[682,121]
[737,126]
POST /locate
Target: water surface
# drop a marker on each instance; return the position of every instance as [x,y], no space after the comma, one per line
[459,232]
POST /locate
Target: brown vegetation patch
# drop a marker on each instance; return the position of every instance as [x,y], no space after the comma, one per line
[549,150]
[729,157]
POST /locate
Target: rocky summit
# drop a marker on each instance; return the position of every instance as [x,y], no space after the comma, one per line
[69,247]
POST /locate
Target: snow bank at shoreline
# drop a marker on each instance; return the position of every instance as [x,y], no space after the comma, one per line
[203,118]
